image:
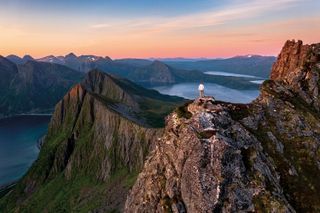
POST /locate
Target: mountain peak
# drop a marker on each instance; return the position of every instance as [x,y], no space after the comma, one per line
[122,90]
[71,55]
[108,58]
[292,56]
[6,62]
[51,59]
[14,57]
[158,65]
[27,58]
[297,67]
[3,58]
[98,130]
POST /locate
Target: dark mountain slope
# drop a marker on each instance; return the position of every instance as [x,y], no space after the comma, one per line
[8,70]
[34,86]
[159,73]
[249,65]
[17,60]
[155,73]
[260,157]
[134,62]
[151,73]
[98,138]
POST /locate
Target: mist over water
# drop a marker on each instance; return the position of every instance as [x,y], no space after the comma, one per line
[190,91]
[230,74]
[18,144]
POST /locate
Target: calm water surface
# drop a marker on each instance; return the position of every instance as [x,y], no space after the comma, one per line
[190,91]
[230,74]
[18,144]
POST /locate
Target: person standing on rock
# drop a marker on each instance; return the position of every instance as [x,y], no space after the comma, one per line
[201,90]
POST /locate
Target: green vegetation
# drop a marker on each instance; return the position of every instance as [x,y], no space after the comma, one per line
[153,106]
[154,111]
[297,164]
[6,189]
[183,112]
[302,189]
[82,191]
[78,170]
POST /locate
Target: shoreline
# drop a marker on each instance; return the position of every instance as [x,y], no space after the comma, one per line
[26,114]
[6,188]
[35,114]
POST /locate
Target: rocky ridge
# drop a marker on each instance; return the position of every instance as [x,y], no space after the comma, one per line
[98,138]
[221,157]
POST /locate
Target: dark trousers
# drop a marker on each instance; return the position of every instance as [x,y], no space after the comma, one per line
[201,93]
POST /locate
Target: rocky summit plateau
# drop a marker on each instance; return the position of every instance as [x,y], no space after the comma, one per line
[105,152]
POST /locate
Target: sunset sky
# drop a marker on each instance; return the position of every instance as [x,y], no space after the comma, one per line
[159,28]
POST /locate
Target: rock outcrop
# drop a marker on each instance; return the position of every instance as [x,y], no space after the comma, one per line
[221,157]
[298,68]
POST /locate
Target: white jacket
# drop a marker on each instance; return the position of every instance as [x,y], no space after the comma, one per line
[201,87]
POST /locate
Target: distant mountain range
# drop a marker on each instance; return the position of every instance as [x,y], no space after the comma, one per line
[150,73]
[83,63]
[18,60]
[33,87]
[248,64]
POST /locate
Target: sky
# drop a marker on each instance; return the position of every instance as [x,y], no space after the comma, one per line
[155,28]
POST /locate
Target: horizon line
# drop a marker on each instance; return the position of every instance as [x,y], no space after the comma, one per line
[144,58]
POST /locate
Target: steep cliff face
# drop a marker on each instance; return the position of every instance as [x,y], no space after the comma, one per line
[298,68]
[220,157]
[96,145]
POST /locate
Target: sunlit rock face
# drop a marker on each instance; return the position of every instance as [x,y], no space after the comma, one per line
[221,157]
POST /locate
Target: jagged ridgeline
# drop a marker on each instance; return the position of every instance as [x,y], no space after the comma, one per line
[211,156]
[98,138]
[259,157]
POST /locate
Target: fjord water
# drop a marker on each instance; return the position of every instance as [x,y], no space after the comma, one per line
[219,92]
[18,144]
[230,74]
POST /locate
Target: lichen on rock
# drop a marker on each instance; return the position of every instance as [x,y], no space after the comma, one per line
[262,156]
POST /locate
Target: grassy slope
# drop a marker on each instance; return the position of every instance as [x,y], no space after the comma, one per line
[83,192]
[58,194]
[303,197]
